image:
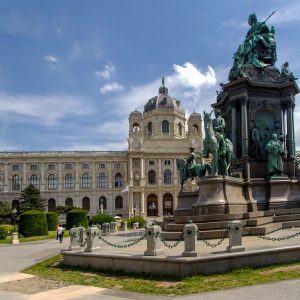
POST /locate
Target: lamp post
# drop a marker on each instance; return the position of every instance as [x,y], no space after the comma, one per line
[15,235]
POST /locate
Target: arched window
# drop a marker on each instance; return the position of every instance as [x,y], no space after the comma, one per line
[195,128]
[102,180]
[69,202]
[165,126]
[1,182]
[102,200]
[15,183]
[69,181]
[135,127]
[86,181]
[52,182]
[86,203]
[167,177]
[51,204]
[151,177]
[179,129]
[118,180]
[34,180]
[149,128]
[119,202]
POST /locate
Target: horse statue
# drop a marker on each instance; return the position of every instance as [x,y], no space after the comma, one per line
[221,160]
[198,170]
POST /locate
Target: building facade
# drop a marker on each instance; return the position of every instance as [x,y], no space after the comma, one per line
[141,180]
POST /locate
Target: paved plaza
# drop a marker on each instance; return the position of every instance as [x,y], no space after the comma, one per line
[17,257]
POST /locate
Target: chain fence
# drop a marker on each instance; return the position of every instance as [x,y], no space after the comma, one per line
[128,245]
[277,239]
[168,245]
[212,245]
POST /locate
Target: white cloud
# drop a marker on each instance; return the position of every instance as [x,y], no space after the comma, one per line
[51,58]
[287,13]
[113,87]
[45,110]
[109,70]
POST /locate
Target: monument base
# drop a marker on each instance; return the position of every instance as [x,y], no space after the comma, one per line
[185,204]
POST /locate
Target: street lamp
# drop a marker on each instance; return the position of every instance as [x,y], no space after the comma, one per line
[14,216]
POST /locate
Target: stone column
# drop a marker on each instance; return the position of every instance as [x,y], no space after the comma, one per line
[290,132]
[130,172]
[42,178]
[77,181]
[6,179]
[142,181]
[293,127]
[160,203]
[24,180]
[142,202]
[159,179]
[244,125]
[234,129]
[130,202]
[60,183]
[94,179]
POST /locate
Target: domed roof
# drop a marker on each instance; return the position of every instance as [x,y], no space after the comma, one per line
[194,115]
[163,101]
[136,113]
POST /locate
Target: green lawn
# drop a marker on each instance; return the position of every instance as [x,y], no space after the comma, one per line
[51,235]
[54,269]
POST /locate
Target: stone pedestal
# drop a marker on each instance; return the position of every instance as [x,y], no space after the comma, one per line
[92,239]
[74,239]
[235,233]
[220,195]
[153,241]
[15,238]
[185,204]
[190,240]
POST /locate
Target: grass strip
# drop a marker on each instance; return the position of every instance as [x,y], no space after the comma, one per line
[54,269]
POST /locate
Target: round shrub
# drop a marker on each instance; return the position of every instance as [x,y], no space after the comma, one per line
[33,223]
[100,219]
[76,217]
[3,233]
[52,220]
[137,219]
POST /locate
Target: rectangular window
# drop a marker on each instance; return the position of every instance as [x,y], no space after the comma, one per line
[15,167]
[151,162]
[69,166]
[118,166]
[51,167]
[33,167]
[167,162]
[85,166]
[102,165]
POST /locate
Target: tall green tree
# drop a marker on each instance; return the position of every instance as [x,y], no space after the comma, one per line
[5,212]
[31,198]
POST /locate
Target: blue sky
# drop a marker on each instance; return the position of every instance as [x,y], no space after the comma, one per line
[72,71]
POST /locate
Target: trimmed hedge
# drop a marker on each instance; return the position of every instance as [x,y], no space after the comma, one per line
[3,233]
[137,219]
[100,219]
[76,217]
[33,223]
[52,220]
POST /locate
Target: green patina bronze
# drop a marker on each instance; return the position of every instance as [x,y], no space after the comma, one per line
[275,152]
[286,74]
[216,144]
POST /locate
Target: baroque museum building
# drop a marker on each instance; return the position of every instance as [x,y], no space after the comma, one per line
[143,179]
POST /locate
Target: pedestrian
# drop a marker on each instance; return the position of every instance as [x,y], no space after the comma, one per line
[60,233]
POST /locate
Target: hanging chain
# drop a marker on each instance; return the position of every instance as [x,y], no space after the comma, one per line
[274,239]
[207,243]
[170,246]
[122,245]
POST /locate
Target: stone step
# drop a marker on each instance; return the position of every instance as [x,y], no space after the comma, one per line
[291,224]
[259,221]
[283,218]
[283,211]
[263,229]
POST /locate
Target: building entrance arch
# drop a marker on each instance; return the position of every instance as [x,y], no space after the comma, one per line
[167,204]
[152,205]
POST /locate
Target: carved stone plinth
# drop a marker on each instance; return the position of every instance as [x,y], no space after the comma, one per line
[220,195]
[185,203]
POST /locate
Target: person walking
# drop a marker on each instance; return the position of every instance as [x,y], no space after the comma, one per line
[60,233]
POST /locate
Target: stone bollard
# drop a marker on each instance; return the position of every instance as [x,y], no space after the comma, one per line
[105,229]
[190,240]
[99,227]
[113,226]
[74,239]
[135,225]
[81,236]
[124,225]
[153,241]
[235,232]
[15,238]
[92,239]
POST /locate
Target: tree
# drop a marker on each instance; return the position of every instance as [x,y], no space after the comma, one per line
[5,212]
[31,198]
